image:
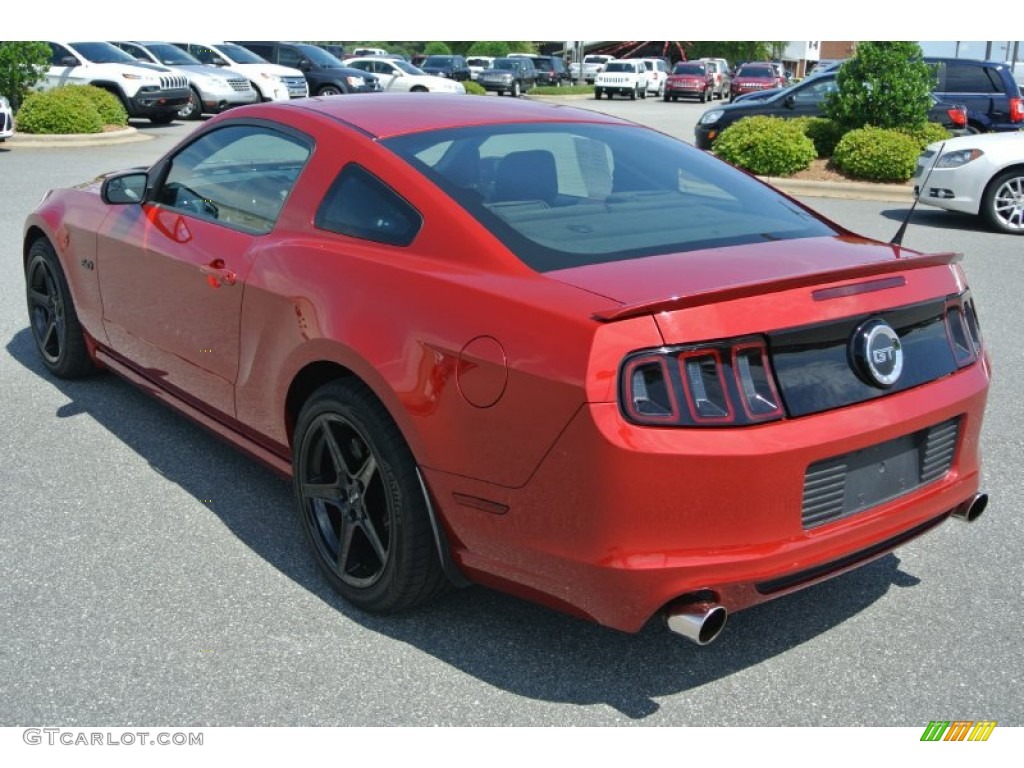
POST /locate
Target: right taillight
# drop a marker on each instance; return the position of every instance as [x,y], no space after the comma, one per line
[1017,109]
[727,383]
[963,330]
[957,116]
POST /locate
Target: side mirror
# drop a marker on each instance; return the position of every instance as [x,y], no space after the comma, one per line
[69,61]
[125,188]
[305,65]
[217,61]
[790,101]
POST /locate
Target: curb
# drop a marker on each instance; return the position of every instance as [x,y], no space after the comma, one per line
[847,190]
[30,141]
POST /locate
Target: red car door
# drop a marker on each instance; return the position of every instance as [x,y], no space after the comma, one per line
[172,271]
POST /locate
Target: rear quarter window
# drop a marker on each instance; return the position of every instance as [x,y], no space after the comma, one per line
[358,204]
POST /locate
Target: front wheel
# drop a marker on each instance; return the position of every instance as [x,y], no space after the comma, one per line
[597,94]
[632,94]
[194,109]
[516,90]
[361,502]
[1003,203]
[163,119]
[330,90]
[56,330]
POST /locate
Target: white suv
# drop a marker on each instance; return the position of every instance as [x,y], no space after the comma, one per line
[6,119]
[657,73]
[272,81]
[145,90]
[626,77]
[213,89]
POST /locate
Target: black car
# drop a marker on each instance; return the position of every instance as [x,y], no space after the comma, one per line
[986,88]
[327,75]
[512,75]
[550,69]
[450,66]
[805,99]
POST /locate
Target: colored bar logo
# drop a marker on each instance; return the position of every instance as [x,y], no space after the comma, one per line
[958,730]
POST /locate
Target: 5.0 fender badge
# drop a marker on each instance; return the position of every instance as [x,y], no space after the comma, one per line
[876,353]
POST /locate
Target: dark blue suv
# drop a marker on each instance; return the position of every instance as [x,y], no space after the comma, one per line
[986,88]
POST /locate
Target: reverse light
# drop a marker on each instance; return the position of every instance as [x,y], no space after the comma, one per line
[727,383]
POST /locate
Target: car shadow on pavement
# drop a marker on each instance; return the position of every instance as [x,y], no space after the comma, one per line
[516,646]
[938,219]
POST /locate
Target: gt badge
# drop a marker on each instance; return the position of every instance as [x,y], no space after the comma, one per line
[877,354]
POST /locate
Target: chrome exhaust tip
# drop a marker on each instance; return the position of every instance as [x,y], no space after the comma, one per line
[699,622]
[971,509]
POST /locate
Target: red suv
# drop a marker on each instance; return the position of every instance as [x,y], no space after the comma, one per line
[755,77]
[690,78]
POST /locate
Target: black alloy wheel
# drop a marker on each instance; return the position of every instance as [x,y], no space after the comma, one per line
[55,328]
[361,501]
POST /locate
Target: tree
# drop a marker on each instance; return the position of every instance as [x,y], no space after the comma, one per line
[734,51]
[437,49]
[22,65]
[886,85]
[496,48]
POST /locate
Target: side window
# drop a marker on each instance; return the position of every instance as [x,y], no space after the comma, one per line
[288,57]
[238,176]
[57,53]
[965,78]
[358,204]
[266,51]
[202,53]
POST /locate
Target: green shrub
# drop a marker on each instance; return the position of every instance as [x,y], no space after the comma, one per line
[436,48]
[877,154]
[112,111]
[824,133]
[474,89]
[927,134]
[62,110]
[767,146]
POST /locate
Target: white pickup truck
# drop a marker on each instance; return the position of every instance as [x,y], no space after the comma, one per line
[592,64]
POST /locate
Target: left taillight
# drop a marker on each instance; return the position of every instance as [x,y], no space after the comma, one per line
[728,383]
[963,329]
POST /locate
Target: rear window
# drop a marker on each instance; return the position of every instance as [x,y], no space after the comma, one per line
[565,194]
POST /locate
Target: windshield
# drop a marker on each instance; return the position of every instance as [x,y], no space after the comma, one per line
[320,57]
[689,69]
[504,64]
[103,53]
[563,195]
[240,55]
[171,55]
[620,66]
[438,61]
[756,72]
[596,59]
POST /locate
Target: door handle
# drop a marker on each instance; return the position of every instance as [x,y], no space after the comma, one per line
[217,274]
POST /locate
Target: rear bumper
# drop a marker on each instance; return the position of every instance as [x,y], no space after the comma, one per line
[619,521]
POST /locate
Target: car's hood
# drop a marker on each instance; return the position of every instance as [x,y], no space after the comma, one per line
[658,281]
[268,68]
[1002,142]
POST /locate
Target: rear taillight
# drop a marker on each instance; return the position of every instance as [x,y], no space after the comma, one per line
[958,116]
[1017,109]
[963,330]
[727,383]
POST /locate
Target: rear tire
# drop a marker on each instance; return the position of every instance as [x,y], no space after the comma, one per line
[56,330]
[361,503]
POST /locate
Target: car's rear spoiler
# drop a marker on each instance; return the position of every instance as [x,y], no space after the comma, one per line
[744,290]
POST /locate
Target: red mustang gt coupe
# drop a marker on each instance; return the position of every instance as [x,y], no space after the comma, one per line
[527,346]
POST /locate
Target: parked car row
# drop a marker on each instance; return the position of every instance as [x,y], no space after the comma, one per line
[186,79]
[6,119]
[806,99]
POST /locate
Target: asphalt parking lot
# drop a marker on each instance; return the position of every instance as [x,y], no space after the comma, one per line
[151,574]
